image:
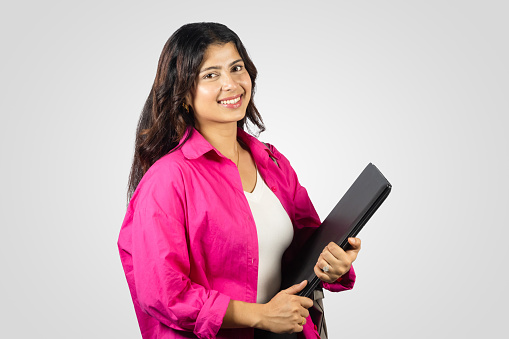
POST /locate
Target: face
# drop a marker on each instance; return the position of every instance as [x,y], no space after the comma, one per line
[223,88]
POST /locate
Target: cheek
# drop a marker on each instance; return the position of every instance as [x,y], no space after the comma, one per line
[204,95]
[246,84]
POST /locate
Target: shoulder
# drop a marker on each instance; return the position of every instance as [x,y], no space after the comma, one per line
[162,182]
[166,170]
[167,166]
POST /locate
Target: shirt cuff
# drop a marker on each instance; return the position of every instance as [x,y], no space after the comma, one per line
[344,283]
[211,315]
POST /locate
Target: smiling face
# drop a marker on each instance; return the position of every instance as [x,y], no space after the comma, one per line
[223,88]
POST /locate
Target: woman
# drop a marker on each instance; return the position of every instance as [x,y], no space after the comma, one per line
[212,209]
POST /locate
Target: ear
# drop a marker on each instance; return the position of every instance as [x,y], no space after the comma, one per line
[189,99]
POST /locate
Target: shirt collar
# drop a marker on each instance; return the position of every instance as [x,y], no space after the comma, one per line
[258,149]
[196,145]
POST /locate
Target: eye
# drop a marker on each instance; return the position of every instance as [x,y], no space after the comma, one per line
[210,76]
[237,68]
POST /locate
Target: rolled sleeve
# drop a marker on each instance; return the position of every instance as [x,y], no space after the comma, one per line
[211,316]
[344,283]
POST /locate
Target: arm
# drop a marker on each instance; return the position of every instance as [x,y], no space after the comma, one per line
[160,261]
[161,273]
[285,313]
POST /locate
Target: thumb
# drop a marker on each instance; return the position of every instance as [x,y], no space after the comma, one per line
[355,243]
[296,288]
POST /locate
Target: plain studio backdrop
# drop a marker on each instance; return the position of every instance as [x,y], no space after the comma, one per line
[419,88]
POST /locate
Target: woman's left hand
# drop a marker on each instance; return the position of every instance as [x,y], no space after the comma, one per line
[336,261]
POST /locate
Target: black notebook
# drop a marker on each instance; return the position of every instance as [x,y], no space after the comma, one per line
[346,220]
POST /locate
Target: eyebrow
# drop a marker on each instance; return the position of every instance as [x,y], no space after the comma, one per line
[219,67]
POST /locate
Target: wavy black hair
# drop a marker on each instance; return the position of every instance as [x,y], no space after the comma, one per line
[163,119]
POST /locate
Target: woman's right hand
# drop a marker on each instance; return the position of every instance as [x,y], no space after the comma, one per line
[286,312]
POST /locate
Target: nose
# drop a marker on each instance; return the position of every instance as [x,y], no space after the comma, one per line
[229,83]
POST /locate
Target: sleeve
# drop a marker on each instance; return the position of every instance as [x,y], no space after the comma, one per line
[306,221]
[161,264]
[344,283]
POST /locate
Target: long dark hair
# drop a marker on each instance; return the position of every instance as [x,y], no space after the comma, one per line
[163,119]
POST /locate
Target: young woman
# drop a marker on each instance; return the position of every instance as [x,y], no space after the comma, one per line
[214,212]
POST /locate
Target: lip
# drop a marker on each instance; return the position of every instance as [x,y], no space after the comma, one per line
[230,98]
[235,105]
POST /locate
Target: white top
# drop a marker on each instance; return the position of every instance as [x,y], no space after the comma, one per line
[275,233]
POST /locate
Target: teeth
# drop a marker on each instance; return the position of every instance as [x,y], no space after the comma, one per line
[229,102]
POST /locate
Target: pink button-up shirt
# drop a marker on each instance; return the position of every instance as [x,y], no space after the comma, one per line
[188,243]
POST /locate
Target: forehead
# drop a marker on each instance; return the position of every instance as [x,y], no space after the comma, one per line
[218,55]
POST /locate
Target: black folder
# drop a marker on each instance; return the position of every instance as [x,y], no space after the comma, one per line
[346,220]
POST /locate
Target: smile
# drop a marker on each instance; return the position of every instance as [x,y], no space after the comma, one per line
[230,101]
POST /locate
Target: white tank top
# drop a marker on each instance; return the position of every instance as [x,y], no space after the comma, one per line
[275,233]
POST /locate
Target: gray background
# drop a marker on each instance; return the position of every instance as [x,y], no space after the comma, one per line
[418,88]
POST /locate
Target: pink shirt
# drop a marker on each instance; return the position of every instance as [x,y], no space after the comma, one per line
[188,243]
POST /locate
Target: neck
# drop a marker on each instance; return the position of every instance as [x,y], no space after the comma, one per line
[223,138]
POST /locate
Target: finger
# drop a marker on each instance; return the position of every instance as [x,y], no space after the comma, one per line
[335,250]
[298,328]
[333,272]
[355,243]
[329,259]
[305,302]
[354,251]
[327,265]
[300,324]
[296,288]
[304,312]
[321,275]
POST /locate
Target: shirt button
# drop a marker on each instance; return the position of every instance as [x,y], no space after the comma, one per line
[273,189]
